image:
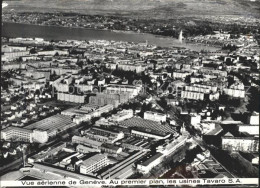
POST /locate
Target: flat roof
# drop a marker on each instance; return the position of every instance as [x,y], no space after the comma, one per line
[94,159]
[242,138]
[78,110]
[88,141]
[151,112]
[104,129]
[110,146]
[61,171]
[150,160]
[216,131]
[123,86]
[250,125]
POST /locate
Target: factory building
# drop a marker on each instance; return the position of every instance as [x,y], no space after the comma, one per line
[17,134]
[154,116]
[245,144]
[93,164]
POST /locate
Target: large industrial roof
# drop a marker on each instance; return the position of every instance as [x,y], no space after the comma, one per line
[54,122]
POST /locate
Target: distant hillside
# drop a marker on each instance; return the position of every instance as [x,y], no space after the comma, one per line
[166,9]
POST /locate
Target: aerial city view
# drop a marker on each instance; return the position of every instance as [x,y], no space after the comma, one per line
[96,90]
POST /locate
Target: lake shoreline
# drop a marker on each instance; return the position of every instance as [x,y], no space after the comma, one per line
[115,31]
[62,33]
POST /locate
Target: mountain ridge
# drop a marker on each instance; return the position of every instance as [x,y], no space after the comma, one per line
[141,8]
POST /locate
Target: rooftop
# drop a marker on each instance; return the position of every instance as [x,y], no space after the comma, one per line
[87,141]
[150,112]
[107,130]
[110,146]
[150,131]
[16,128]
[228,134]
[240,125]
[216,131]
[51,123]
[152,125]
[150,160]
[242,138]
[94,159]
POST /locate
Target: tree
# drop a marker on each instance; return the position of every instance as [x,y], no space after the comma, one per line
[33,51]
[37,92]
[253,103]
[230,81]
[80,64]
[188,79]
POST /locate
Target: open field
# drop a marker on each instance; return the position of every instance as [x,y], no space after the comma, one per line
[160,9]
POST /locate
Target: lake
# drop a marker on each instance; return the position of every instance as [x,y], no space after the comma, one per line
[64,33]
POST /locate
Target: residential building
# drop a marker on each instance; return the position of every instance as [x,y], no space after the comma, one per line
[180,75]
[131,67]
[71,97]
[131,90]
[192,95]
[238,93]
[102,99]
